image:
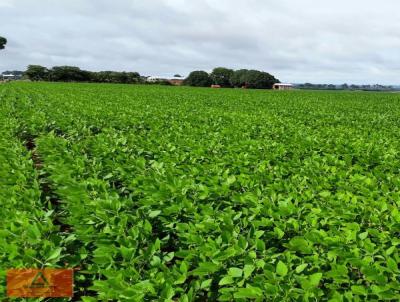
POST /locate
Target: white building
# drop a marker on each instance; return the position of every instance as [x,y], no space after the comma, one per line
[154,79]
[177,81]
[282,86]
[9,77]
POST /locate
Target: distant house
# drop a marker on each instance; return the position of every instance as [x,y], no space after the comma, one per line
[282,86]
[10,77]
[176,81]
[154,79]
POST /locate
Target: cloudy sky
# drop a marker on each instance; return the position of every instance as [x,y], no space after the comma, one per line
[353,41]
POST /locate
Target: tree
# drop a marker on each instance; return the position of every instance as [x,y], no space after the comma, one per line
[102,76]
[69,74]
[198,79]
[3,42]
[37,73]
[75,74]
[119,77]
[238,78]
[177,75]
[115,77]
[259,80]
[222,76]
[133,77]
[253,79]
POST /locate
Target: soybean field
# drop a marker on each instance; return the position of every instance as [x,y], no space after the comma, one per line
[156,193]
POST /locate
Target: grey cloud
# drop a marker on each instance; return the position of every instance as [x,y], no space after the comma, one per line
[296,40]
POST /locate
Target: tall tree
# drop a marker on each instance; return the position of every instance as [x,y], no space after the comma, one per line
[253,79]
[198,79]
[115,77]
[238,78]
[3,42]
[222,76]
[37,73]
[260,80]
[68,74]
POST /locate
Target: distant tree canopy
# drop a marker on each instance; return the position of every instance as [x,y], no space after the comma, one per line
[238,78]
[75,74]
[222,76]
[364,87]
[198,79]
[37,73]
[115,77]
[68,74]
[253,79]
[3,42]
[259,79]
[226,77]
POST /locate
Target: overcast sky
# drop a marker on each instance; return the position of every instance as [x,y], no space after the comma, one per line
[353,41]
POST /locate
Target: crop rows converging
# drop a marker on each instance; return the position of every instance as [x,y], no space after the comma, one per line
[186,194]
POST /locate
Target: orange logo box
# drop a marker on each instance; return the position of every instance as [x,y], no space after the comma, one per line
[29,283]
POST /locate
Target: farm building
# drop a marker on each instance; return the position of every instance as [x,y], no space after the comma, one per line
[174,81]
[9,77]
[154,79]
[281,86]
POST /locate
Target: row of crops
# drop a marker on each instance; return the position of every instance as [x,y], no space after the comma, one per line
[185,194]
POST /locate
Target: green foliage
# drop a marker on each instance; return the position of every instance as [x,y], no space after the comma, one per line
[253,79]
[260,80]
[238,78]
[281,269]
[198,79]
[184,194]
[222,76]
[68,74]
[37,73]
[75,74]
[3,42]
[115,77]
[228,78]
[28,236]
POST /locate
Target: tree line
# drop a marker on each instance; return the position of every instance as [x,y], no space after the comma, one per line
[224,77]
[221,76]
[75,74]
[228,78]
[345,86]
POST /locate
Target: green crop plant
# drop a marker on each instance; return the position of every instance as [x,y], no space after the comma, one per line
[192,194]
